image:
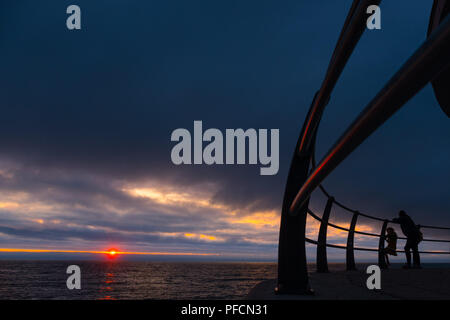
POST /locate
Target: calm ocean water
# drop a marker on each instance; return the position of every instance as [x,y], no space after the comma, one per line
[132,280]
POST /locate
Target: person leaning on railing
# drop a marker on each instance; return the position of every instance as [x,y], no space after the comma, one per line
[391,249]
[413,235]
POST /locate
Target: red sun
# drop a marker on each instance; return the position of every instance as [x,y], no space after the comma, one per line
[112,253]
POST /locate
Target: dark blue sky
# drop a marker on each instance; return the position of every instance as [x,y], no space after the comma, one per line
[86,118]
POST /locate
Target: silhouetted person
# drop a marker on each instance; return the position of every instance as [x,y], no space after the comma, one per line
[413,235]
[391,249]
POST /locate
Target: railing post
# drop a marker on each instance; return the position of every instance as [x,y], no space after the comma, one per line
[381,257]
[322,263]
[351,243]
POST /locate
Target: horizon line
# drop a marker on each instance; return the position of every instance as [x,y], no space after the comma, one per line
[108,252]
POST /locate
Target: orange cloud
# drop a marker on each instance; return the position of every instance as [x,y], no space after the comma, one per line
[8,205]
[263,219]
[202,237]
[171,196]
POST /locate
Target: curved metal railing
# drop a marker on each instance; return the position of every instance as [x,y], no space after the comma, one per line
[324,191]
[312,214]
[321,257]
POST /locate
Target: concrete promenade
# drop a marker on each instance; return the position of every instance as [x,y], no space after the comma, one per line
[419,284]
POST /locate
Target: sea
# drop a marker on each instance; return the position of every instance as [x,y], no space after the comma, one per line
[118,280]
[110,280]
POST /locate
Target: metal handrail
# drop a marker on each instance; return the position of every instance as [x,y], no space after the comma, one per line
[312,214]
[371,249]
[328,195]
[369,216]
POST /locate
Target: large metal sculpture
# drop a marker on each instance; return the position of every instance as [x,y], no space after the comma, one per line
[441,84]
[430,62]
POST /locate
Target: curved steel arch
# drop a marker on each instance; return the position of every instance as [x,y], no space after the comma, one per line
[292,271]
[423,66]
[441,85]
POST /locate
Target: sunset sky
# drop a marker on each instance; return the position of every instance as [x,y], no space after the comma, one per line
[86,118]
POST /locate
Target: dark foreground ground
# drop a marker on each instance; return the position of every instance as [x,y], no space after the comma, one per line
[396,284]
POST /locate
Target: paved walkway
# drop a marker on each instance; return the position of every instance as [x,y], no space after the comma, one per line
[349,285]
